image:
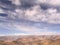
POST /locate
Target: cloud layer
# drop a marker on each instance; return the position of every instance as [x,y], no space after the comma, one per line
[30,16]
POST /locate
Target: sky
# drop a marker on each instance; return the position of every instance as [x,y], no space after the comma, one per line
[29,17]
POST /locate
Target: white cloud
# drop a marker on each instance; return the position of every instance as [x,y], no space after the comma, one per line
[37,33]
[16,2]
[54,2]
[2,35]
[52,10]
[1,11]
[15,34]
[46,33]
[29,30]
[54,18]
[49,16]
[34,14]
[51,2]
[42,1]
[26,28]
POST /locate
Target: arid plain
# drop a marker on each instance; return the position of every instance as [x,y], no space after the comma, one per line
[30,40]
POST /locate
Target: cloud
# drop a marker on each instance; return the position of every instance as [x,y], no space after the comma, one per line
[29,30]
[14,26]
[16,2]
[15,34]
[51,2]
[32,20]
[1,11]
[55,2]
[42,1]
[2,35]
[36,14]
[46,33]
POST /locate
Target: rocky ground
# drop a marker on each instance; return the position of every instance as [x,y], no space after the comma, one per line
[31,40]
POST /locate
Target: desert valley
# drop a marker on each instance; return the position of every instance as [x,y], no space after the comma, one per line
[30,40]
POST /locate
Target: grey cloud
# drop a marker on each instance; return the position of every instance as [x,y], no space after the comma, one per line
[6,6]
[45,6]
[27,3]
[7,2]
[34,16]
[37,13]
[3,15]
